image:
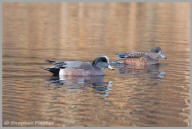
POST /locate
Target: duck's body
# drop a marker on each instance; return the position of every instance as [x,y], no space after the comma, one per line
[141,58]
[79,68]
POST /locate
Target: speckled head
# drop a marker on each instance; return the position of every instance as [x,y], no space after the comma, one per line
[156,52]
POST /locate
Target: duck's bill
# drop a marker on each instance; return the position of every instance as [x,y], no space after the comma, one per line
[163,56]
[110,67]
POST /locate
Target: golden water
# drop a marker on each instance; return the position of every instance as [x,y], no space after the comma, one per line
[34,32]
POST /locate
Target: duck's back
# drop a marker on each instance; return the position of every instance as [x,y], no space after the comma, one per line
[131,55]
[133,58]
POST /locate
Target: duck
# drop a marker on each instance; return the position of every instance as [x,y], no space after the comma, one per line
[141,58]
[79,68]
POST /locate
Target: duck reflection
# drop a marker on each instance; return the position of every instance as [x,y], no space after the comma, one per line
[80,82]
[151,71]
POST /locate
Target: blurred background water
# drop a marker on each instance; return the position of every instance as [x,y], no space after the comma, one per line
[34,32]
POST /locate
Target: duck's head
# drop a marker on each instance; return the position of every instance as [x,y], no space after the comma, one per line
[156,53]
[102,62]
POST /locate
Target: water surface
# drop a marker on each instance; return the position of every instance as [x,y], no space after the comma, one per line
[34,32]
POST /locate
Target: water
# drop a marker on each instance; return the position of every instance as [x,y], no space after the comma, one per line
[34,32]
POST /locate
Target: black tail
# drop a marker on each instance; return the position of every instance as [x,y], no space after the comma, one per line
[55,71]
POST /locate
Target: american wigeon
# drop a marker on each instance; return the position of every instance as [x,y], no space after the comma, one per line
[141,58]
[79,68]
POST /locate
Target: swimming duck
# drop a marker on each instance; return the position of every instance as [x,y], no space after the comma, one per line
[79,68]
[141,58]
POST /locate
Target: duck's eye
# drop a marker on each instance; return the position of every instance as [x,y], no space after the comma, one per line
[156,51]
[104,60]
